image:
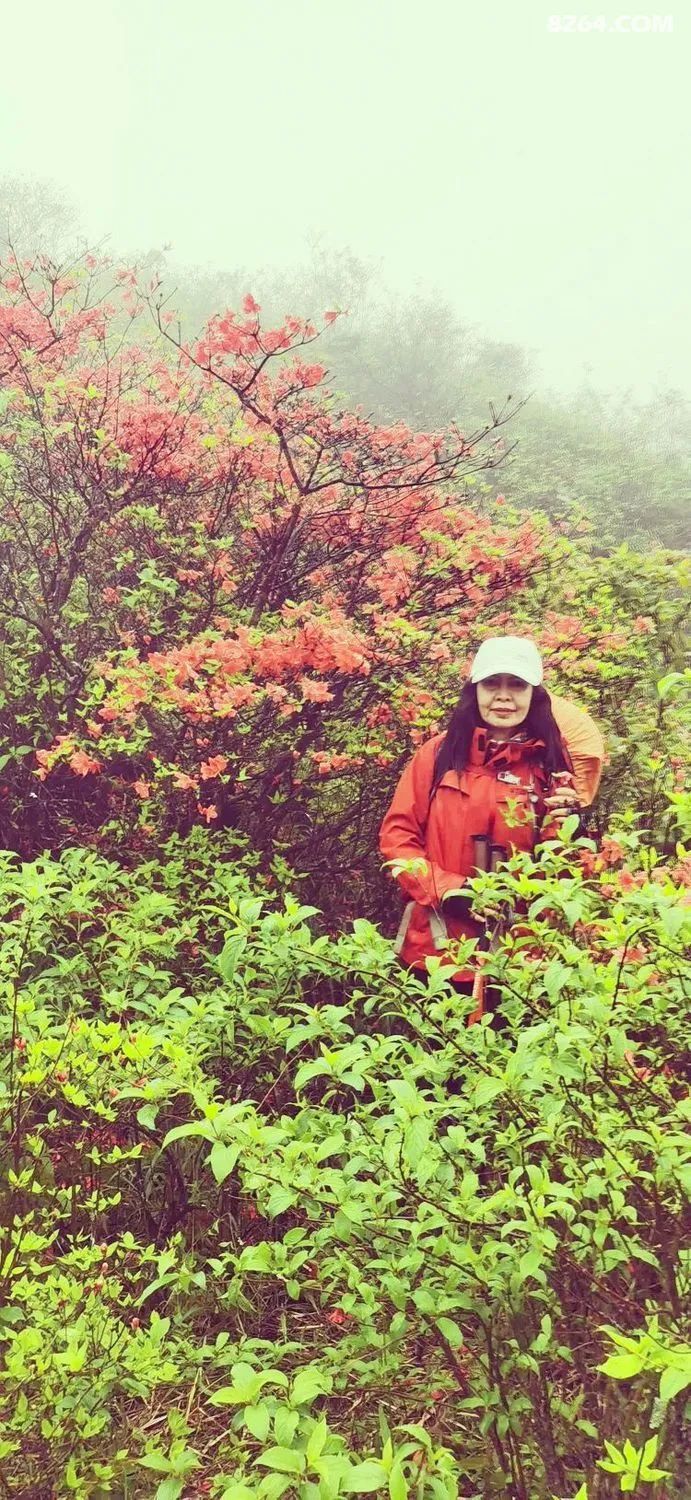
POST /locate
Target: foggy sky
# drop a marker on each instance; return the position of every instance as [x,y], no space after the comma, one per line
[540,181]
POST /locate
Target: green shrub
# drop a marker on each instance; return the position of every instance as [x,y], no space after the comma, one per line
[277,1221]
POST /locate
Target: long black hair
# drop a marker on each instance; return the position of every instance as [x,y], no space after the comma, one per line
[539,724]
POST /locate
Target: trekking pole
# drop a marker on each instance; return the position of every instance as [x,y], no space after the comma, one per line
[482,852]
[493,855]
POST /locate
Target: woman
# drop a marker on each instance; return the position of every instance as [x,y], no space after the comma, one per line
[513,763]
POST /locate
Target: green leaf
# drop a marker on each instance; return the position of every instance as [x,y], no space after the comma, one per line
[257,1257]
[398,1484]
[416,1140]
[246,1386]
[147,1116]
[672,1382]
[308,1384]
[236,1395]
[419,1432]
[285,1426]
[316,1441]
[158,1461]
[194,1128]
[222,1159]
[330,1467]
[362,1479]
[530,1264]
[285,1460]
[280,1199]
[74,1358]
[257,1420]
[333,1145]
[308,1070]
[228,959]
[622,1366]
[486,1089]
[650,1449]
[406,1095]
[169,1489]
[450,1331]
[673,919]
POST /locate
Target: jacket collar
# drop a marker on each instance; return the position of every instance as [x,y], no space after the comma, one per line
[504,753]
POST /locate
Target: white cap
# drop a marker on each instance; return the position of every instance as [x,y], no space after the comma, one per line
[507,653]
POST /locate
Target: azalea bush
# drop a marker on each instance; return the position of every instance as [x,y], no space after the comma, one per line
[229,601]
[278,1222]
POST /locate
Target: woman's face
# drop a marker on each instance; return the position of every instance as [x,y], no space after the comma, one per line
[503,702]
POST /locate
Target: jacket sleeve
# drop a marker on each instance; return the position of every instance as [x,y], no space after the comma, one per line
[402,833]
[585,745]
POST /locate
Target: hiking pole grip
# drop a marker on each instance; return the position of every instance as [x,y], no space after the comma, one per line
[481,846]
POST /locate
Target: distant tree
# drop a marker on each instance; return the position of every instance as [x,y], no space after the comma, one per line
[415,360]
[663,423]
[587,453]
[36,217]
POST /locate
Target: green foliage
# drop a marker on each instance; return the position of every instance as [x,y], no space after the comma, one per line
[277,1221]
[584,454]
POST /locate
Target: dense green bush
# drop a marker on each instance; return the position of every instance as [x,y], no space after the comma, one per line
[277,1222]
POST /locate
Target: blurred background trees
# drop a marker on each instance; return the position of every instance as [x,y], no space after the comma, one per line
[624,462]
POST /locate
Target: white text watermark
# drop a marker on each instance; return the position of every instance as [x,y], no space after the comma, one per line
[642,25]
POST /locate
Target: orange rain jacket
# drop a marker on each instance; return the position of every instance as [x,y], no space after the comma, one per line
[440,836]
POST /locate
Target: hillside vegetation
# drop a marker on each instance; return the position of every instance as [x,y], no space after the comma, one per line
[275,1220]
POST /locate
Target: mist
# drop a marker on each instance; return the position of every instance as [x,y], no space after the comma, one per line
[532,179]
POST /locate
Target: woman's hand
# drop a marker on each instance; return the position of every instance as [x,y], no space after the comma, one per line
[562,804]
[457,904]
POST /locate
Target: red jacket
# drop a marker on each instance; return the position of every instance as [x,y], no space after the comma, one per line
[440,835]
